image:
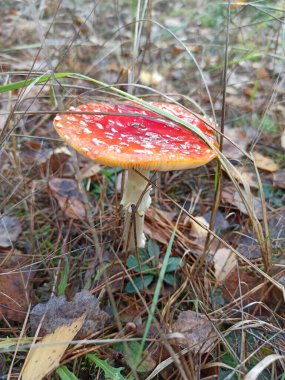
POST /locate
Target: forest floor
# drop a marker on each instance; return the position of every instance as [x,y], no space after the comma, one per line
[215,308]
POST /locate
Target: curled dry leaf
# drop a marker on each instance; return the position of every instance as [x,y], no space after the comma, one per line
[10,229]
[224,263]
[15,286]
[197,332]
[68,196]
[231,196]
[46,159]
[265,163]
[44,357]
[197,231]
[59,312]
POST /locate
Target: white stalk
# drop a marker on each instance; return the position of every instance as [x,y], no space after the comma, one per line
[133,200]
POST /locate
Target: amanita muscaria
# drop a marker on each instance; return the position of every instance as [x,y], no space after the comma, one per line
[132,137]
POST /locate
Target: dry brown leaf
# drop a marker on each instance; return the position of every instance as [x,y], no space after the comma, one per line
[68,196]
[224,263]
[248,177]
[198,332]
[239,136]
[90,171]
[10,229]
[44,357]
[33,155]
[15,286]
[279,178]
[51,160]
[58,311]
[231,196]
[265,163]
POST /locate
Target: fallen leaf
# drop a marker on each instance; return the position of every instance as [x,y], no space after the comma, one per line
[15,286]
[197,230]
[10,229]
[44,357]
[58,311]
[68,196]
[231,196]
[248,246]
[265,163]
[243,282]
[248,177]
[221,223]
[224,263]
[32,154]
[197,331]
[90,171]
[150,78]
[241,137]
[51,160]
[279,178]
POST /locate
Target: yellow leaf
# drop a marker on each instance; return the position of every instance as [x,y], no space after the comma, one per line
[224,262]
[265,163]
[150,78]
[44,357]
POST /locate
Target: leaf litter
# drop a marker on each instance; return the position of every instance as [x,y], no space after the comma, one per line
[15,285]
[197,331]
[10,230]
[58,311]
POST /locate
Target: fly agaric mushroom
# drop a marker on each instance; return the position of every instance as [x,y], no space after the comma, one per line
[137,139]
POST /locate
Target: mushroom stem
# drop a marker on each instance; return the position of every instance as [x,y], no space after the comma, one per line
[136,200]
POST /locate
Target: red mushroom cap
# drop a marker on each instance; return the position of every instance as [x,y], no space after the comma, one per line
[136,137]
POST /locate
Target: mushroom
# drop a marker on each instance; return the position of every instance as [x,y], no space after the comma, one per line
[136,138]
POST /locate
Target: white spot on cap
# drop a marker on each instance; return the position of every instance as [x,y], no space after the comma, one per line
[83,123]
[143,151]
[99,126]
[71,118]
[72,108]
[57,117]
[98,142]
[59,125]
[66,137]
[85,149]
[87,131]
[114,130]
[148,145]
